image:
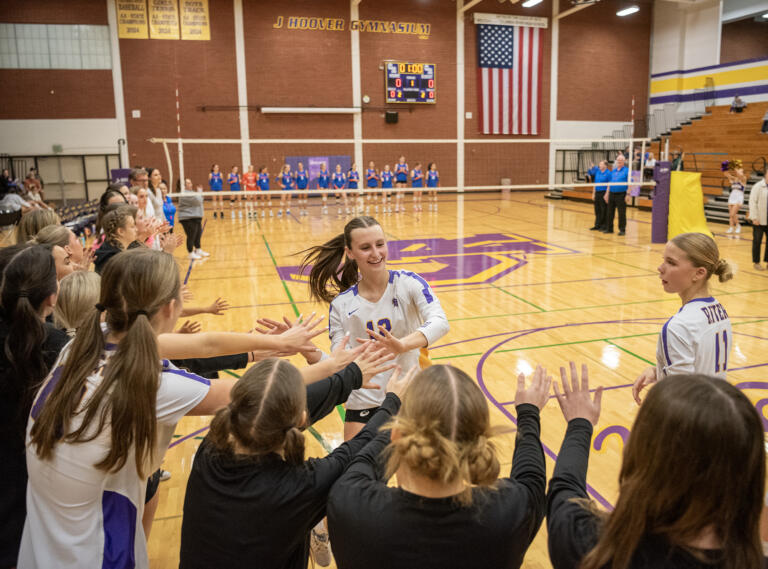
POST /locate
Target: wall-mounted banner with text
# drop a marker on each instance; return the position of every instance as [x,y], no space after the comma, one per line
[340,24]
[195,23]
[131,19]
[163,20]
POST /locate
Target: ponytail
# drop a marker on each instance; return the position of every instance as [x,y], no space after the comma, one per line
[28,280]
[134,287]
[265,413]
[326,260]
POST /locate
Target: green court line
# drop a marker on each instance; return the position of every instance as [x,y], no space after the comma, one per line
[581,342]
[232,373]
[342,413]
[285,286]
[594,306]
[645,269]
[320,439]
[625,350]
[539,308]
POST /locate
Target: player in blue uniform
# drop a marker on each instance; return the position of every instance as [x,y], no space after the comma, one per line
[433,182]
[264,187]
[353,179]
[216,184]
[401,181]
[286,184]
[386,185]
[339,181]
[301,183]
[234,186]
[417,182]
[323,179]
[372,181]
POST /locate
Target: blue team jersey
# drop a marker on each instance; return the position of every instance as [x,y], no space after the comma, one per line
[433,178]
[386,179]
[373,179]
[302,179]
[234,182]
[338,180]
[401,173]
[418,179]
[322,179]
[353,178]
[263,182]
[286,181]
[216,182]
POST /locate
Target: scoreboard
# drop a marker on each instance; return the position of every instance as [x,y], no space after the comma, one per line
[410,82]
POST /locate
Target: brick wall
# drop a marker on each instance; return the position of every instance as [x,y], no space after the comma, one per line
[604,62]
[745,39]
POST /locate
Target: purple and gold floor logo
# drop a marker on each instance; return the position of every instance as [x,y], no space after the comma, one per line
[478,259]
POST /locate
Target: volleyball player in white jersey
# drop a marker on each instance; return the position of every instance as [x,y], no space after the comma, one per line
[104,417]
[397,308]
[698,338]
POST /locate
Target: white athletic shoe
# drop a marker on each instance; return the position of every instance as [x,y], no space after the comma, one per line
[164,475]
[287,211]
[738,229]
[202,253]
[271,214]
[376,208]
[233,214]
[194,256]
[320,546]
[730,230]
[279,213]
[240,214]
[263,213]
[339,211]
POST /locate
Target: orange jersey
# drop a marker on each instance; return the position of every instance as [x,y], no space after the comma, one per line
[250,180]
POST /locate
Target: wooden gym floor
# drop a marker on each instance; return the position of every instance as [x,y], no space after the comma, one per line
[524,283]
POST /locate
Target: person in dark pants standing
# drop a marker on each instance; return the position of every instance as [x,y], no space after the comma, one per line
[190,212]
[616,197]
[758,213]
[602,174]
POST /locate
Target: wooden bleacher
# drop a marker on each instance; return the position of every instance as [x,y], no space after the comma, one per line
[707,142]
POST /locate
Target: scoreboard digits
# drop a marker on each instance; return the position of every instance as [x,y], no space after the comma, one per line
[410,82]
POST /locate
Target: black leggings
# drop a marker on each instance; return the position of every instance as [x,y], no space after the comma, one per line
[194,229]
[758,231]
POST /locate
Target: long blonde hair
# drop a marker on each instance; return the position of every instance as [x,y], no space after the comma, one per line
[445,431]
[32,222]
[78,294]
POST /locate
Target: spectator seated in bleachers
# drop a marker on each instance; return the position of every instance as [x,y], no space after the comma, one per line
[738,105]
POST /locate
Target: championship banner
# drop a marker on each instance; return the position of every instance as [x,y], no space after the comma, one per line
[131,19]
[195,23]
[163,20]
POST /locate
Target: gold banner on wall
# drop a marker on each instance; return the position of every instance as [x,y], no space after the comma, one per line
[163,20]
[131,19]
[195,23]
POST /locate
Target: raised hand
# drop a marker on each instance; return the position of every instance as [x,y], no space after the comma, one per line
[645,379]
[537,393]
[372,362]
[298,337]
[217,307]
[269,326]
[386,339]
[398,383]
[189,327]
[575,401]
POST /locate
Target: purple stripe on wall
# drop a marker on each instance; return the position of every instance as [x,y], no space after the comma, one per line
[731,64]
[119,516]
[706,95]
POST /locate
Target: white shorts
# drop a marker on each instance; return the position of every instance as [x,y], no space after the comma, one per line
[736,197]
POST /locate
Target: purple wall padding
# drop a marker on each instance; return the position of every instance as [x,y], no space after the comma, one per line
[660,209]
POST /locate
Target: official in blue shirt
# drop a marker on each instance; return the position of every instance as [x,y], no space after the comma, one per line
[616,197]
[602,174]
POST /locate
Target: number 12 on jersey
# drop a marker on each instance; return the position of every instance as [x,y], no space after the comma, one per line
[382,322]
[721,338]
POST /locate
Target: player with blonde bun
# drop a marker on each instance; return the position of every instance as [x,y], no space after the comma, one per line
[698,338]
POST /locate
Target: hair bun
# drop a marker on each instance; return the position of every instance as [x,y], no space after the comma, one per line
[723,271]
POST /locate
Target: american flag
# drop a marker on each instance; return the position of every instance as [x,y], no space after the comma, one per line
[510,79]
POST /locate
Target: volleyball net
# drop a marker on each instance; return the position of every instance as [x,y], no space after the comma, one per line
[474,165]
